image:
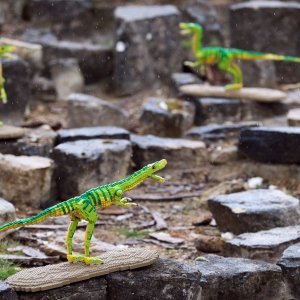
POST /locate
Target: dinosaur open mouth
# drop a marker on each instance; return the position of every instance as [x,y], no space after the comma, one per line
[157,178]
[183,29]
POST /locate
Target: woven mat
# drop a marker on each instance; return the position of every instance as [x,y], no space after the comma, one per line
[58,275]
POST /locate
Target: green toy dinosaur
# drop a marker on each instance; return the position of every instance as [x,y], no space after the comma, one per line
[84,207]
[224,57]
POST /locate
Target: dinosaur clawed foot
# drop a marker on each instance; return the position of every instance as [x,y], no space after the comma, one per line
[233,86]
[86,259]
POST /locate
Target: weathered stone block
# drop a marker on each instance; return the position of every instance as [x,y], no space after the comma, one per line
[17,85]
[147,46]
[276,144]
[254,210]
[68,18]
[265,245]
[217,110]
[25,179]
[36,142]
[7,212]
[169,118]
[82,165]
[237,278]
[293,117]
[290,265]
[84,290]
[180,153]
[67,77]
[85,111]
[275,21]
[165,279]
[215,131]
[95,60]
[6,292]
[88,133]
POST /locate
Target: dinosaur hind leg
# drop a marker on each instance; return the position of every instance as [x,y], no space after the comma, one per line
[70,234]
[236,73]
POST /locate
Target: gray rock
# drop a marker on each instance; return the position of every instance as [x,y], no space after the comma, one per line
[290,265]
[88,133]
[17,85]
[6,292]
[179,79]
[85,111]
[254,210]
[237,278]
[216,131]
[293,117]
[36,142]
[275,21]
[181,154]
[7,212]
[95,60]
[82,165]
[67,77]
[147,46]
[203,13]
[266,144]
[95,288]
[259,73]
[65,17]
[26,179]
[169,118]
[217,110]
[265,245]
[165,279]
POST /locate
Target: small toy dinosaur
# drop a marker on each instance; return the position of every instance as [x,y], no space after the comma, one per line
[84,207]
[224,57]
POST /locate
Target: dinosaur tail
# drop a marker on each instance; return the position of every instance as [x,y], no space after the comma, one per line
[59,209]
[252,55]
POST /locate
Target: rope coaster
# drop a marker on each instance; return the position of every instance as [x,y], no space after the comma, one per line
[58,275]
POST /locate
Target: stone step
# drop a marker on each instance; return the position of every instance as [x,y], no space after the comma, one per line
[85,111]
[181,154]
[275,145]
[290,265]
[86,164]
[26,179]
[254,210]
[167,117]
[238,278]
[88,133]
[265,245]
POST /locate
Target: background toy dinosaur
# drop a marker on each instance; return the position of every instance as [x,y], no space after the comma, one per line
[84,207]
[224,57]
[4,53]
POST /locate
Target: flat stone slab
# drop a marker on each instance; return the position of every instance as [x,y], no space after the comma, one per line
[276,144]
[266,245]
[218,131]
[87,133]
[290,265]
[256,94]
[58,275]
[254,210]
[8,132]
[238,278]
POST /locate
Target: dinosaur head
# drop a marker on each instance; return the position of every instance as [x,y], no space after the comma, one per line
[190,28]
[151,169]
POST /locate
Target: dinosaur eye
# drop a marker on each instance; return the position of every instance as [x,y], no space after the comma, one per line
[153,167]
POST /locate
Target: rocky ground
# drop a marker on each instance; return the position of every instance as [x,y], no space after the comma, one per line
[91,101]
